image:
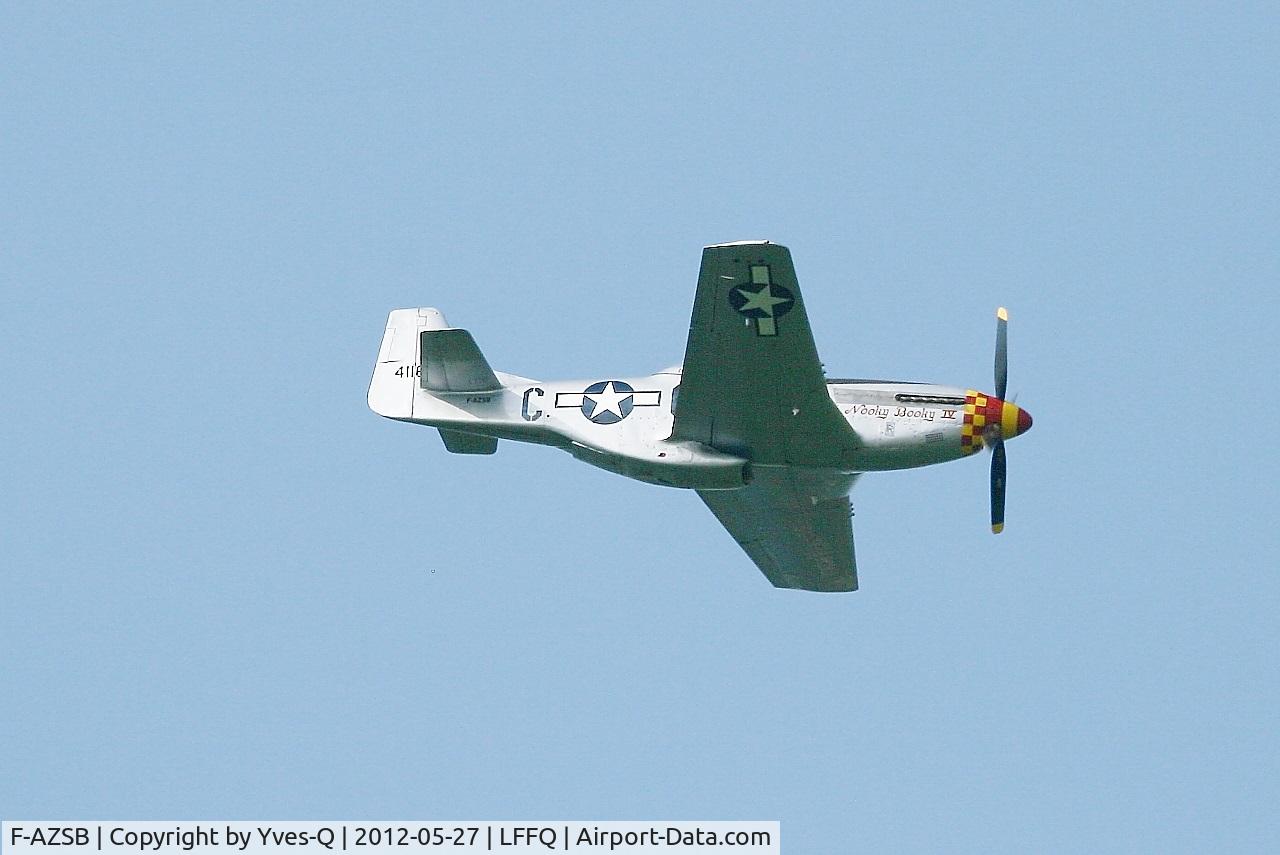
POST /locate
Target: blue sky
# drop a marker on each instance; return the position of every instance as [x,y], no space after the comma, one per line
[230,591]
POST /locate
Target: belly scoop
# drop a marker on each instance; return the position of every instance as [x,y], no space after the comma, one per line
[689,465]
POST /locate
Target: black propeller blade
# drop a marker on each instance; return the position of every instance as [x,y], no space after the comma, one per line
[997,486]
[1002,352]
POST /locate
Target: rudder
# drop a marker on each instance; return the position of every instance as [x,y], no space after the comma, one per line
[396,373]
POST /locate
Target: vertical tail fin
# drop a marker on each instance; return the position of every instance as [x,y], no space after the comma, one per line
[396,373]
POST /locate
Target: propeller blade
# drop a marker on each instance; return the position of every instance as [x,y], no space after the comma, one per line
[1002,351]
[997,486]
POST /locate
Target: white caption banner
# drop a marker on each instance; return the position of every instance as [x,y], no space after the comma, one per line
[383,838]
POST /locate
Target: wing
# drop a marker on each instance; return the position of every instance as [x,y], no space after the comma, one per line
[797,540]
[752,384]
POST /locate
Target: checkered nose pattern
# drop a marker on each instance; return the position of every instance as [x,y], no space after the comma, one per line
[985,413]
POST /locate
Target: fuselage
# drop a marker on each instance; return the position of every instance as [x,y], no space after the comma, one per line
[624,425]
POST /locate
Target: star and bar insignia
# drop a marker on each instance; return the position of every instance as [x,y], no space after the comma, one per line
[762,301]
[608,401]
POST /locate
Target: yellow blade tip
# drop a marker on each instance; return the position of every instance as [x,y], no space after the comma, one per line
[1002,314]
[996,528]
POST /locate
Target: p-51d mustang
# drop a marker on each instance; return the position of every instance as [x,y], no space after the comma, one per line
[748,421]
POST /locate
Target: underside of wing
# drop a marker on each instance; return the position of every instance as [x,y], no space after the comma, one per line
[799,537]
[752,384]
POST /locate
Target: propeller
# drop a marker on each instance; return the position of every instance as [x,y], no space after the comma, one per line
[997,486]
[994,436]
[1002,351]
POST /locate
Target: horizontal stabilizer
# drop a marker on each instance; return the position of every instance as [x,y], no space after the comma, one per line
[451,362]
[468,443]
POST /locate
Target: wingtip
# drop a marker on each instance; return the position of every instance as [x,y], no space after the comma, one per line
[738,243]
[1002,313]
[996,528]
